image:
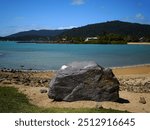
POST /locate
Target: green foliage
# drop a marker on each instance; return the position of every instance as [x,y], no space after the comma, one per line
[113,27]
[13,101]
[109,39]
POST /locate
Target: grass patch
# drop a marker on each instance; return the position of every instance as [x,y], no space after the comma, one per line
[12,101]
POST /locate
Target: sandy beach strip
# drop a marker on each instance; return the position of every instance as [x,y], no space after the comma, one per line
[132,70]
[138,43]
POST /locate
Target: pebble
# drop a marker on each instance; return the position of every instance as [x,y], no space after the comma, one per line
[142,100]
[43,90]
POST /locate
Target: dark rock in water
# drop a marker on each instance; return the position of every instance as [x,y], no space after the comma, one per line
[12,71]
[84,81]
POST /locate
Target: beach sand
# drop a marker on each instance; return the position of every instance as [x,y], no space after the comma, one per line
[132,70]
[125,73]
[139,43]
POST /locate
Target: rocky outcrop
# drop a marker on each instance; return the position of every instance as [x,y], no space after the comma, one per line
[139,83]
[84,81]
[23,78]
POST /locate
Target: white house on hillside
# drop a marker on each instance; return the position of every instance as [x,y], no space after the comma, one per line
[90,38]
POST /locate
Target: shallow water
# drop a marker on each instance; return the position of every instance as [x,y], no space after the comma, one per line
[53,56]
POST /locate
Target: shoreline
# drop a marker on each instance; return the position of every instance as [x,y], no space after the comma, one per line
[136,73]
[34,70]
[130,66]
[68,42]
[138,43]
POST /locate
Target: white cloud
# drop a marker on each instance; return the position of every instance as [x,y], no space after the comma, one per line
[139,16]
[69,27]
[78,2]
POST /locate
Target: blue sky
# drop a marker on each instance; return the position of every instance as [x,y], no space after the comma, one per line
[23,15]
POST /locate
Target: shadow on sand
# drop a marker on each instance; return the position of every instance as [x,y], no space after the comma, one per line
[121,100]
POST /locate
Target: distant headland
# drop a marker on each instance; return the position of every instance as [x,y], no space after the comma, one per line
[111,32]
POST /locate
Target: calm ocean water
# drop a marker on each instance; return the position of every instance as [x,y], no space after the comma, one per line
[53,56]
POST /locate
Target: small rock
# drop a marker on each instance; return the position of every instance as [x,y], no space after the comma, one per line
[142,100]
[2,79]
[43,90]
[12,70]
[40,81]
[6,82]
[99,106]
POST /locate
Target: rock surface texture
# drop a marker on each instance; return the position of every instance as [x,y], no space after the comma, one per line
[84,81]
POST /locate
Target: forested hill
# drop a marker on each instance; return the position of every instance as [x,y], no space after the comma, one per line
[107,31]
[38,33]
[115,27]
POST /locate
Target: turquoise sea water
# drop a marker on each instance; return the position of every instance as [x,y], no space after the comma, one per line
[53,56]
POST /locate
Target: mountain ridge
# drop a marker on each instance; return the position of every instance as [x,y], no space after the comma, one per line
[124,29]
[42,32]
[117,27]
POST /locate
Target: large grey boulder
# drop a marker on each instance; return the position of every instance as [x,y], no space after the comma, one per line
[84,81]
